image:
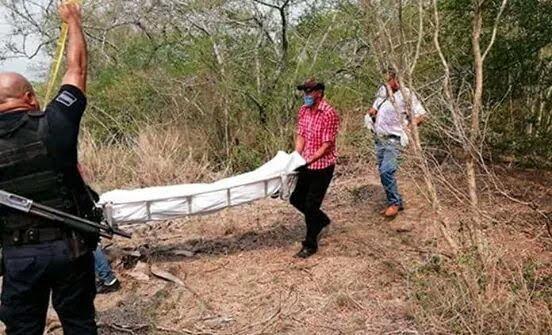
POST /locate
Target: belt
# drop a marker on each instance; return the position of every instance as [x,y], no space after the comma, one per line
[385,137]
[32,236]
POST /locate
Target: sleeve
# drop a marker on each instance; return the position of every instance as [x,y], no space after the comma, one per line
[331,127]
[69,104]
[301,124]
[381,95]
[64,114]
[417,107]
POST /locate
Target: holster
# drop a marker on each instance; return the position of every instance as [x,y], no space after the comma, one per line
[80,243]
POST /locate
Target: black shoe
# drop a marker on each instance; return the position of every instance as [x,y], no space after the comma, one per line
[305,252]
[103,288]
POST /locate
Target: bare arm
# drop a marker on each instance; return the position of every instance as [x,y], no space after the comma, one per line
[319,153]
[299,143]
[76,47]
[420,114]
[419,119]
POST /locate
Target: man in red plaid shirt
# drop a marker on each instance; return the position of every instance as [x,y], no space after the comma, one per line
[316,133]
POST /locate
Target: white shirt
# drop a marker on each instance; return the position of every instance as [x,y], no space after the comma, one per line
[388,120]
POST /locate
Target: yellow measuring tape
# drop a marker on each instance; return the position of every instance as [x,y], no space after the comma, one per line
[58,56]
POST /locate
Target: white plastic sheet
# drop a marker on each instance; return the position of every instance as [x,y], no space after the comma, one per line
[166,202]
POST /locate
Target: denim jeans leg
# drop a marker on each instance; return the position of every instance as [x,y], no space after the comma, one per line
[387,154]
[102,267]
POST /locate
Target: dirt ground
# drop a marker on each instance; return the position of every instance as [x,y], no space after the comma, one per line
[234,271]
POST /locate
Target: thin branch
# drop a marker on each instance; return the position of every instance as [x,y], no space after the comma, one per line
[495,28]
[266,4]
[420,36]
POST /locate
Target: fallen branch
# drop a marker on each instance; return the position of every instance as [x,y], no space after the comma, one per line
[123,328]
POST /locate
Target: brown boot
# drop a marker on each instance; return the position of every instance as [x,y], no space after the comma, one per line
[392,211]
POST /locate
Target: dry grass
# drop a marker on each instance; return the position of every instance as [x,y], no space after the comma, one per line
[156,157]
[514,297]
[243,279]
[507,288]
[371,276]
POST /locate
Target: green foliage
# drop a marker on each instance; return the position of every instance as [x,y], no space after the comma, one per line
[233,79]
[518,73]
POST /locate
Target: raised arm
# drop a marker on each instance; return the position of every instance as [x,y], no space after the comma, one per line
[76,47]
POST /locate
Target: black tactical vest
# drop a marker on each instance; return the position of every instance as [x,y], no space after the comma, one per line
[29,167]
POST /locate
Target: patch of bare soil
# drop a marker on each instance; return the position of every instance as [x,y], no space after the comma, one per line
[234,273]
[238,274]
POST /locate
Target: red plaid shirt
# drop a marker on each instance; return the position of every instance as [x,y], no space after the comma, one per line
[318,127]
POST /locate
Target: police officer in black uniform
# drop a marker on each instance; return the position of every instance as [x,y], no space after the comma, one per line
[38,160]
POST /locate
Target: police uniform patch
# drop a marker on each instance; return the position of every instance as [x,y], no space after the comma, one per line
[66,98]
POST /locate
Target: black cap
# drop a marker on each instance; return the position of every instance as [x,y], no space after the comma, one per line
[311,85]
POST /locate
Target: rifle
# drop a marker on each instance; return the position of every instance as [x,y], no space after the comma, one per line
[25,205]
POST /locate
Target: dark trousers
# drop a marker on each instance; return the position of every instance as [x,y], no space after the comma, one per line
[307,198]
[31,273]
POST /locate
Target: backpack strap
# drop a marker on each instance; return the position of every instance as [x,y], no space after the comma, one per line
[386,95]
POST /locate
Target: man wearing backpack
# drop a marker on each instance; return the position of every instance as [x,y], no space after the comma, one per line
[393,114]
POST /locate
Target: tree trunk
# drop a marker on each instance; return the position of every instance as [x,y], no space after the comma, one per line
[472,145]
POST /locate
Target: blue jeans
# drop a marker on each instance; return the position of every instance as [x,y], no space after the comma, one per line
[102,267]
[387,151]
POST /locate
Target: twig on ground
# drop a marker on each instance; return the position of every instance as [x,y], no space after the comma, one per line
[182,331]
[531,205]
[123,328]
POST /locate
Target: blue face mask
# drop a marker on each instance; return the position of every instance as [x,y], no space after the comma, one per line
[308,100]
